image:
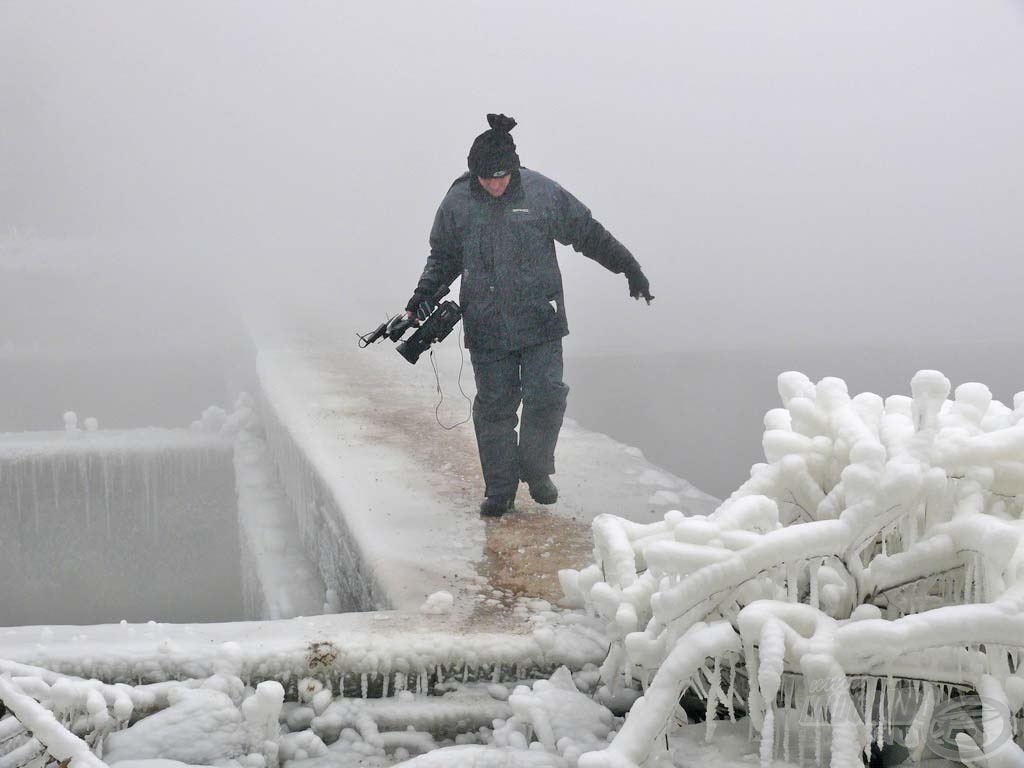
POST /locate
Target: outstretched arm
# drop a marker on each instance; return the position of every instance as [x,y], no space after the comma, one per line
[575,226]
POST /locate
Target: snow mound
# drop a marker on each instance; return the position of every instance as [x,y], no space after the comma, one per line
[438,602]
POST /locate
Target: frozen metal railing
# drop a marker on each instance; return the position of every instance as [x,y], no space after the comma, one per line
[18,748]
[31,737]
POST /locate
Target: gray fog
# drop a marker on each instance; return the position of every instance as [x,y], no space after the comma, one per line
[823,184]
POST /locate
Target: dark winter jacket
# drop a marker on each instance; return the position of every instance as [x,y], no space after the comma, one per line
[504,250]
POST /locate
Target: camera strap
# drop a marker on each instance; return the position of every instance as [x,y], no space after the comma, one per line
[440,392]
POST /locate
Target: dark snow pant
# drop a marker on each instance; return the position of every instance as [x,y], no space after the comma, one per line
[532,376]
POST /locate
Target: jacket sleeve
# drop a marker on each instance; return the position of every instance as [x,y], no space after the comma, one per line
[444,263]
[573,225]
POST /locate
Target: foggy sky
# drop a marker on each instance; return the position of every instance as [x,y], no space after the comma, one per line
[785,172]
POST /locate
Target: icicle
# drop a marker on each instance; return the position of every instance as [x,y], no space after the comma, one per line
[35,491]
[869,702]
[385,680]
[145,485]
[787,697]
[364,684]
[814,599]
[980,582]
[801,733]
[767,738]
[709,718]
[772,646]
[106,490]
[819,726]
[17,491]
[155,501]
[712,702]
[465,672]
[880,726]
[793,581]
[496,676]
[754,703]
[83,470]
[890,701]
[697,684]
[56,488]
[732,691]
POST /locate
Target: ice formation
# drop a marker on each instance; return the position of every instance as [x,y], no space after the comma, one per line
[863,582]
[866,573]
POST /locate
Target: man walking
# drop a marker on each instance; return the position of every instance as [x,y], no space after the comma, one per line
[496,229]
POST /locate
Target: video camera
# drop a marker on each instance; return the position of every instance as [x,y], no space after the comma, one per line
[438,318]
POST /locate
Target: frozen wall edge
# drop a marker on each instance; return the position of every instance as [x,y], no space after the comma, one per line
[326,537]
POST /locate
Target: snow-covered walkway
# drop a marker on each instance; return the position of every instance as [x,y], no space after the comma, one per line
[408,491]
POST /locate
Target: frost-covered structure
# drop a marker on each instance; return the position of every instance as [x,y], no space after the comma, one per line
[864,580]
[864,585]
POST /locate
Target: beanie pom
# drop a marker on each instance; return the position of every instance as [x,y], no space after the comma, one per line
[494,151]
[501,122]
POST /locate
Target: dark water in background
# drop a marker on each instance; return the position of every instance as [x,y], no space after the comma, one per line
[700,414]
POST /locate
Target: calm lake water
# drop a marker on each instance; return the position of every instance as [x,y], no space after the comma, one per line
[699,413]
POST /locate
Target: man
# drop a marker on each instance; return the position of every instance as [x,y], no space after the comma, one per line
[496,229]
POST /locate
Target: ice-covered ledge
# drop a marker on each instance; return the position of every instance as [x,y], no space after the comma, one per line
[342,647]
[389,501]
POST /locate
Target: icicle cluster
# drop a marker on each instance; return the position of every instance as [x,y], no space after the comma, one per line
[870,566]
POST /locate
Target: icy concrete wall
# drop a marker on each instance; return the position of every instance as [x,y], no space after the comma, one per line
[279,579]
[327,539]
[99,527]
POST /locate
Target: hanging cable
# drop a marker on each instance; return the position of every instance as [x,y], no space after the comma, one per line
[437,378]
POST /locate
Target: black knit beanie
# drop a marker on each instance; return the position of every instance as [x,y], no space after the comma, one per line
[493,153]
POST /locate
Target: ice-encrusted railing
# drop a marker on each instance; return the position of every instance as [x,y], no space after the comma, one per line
[76,722]
[34,734]
[871,566]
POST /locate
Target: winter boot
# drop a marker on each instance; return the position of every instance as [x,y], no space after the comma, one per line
[543,491]
[496,506]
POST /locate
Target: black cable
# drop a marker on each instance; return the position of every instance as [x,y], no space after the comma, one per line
[437,378]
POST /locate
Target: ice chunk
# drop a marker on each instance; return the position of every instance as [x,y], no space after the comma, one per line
[438,602]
